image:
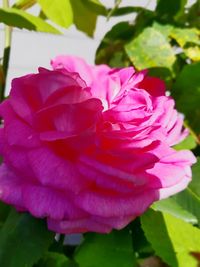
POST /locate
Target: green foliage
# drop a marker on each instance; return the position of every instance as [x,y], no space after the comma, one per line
[63,13]
[143,50]
[81,11]
[108,250]
[172,239]
[113,44]
[23,240]
[186,91]
[53,259]
[172,207]
[189,199]
[170,10]
[188,143]
[59,13]
[21,19]
[24,4]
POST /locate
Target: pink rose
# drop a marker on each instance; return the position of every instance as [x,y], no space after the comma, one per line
[89,147]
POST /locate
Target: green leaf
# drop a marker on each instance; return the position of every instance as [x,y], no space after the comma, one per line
[23,240]
[190,202]
[96,7]
[126,10]
[186,92]
[188,143]
[24,4]
[170,206]
[193,52]
[84,18]
[53,259]
[183,36]
[169,10]
[192,16]
[143,50]
[140,244]
[189,199]
[113,43]
[21,19]
[107,250]
[195,184]
[59,12]
[4,211]
[172,239]
[165,29]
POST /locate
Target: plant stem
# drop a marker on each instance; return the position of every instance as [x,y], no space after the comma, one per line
[6,54]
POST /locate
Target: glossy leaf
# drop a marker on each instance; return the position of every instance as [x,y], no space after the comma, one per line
[59,12]
[189,199]
[23,240]
[170,206]
[172,239]
[107,250]
[143,50]
[190,202]
[21,19]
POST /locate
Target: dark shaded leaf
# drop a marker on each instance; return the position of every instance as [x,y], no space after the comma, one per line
[53,259]
[23,240]
[168,10]
[186,92]
[111,48]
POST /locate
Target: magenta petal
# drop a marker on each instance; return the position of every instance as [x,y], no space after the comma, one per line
[74,64]
[78,226]
[109,206]
[2,137]
[10,187]
[114,222]
[30,92]
[54,171]
[71,119]
[23,135]
[89,147]
[43,202]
